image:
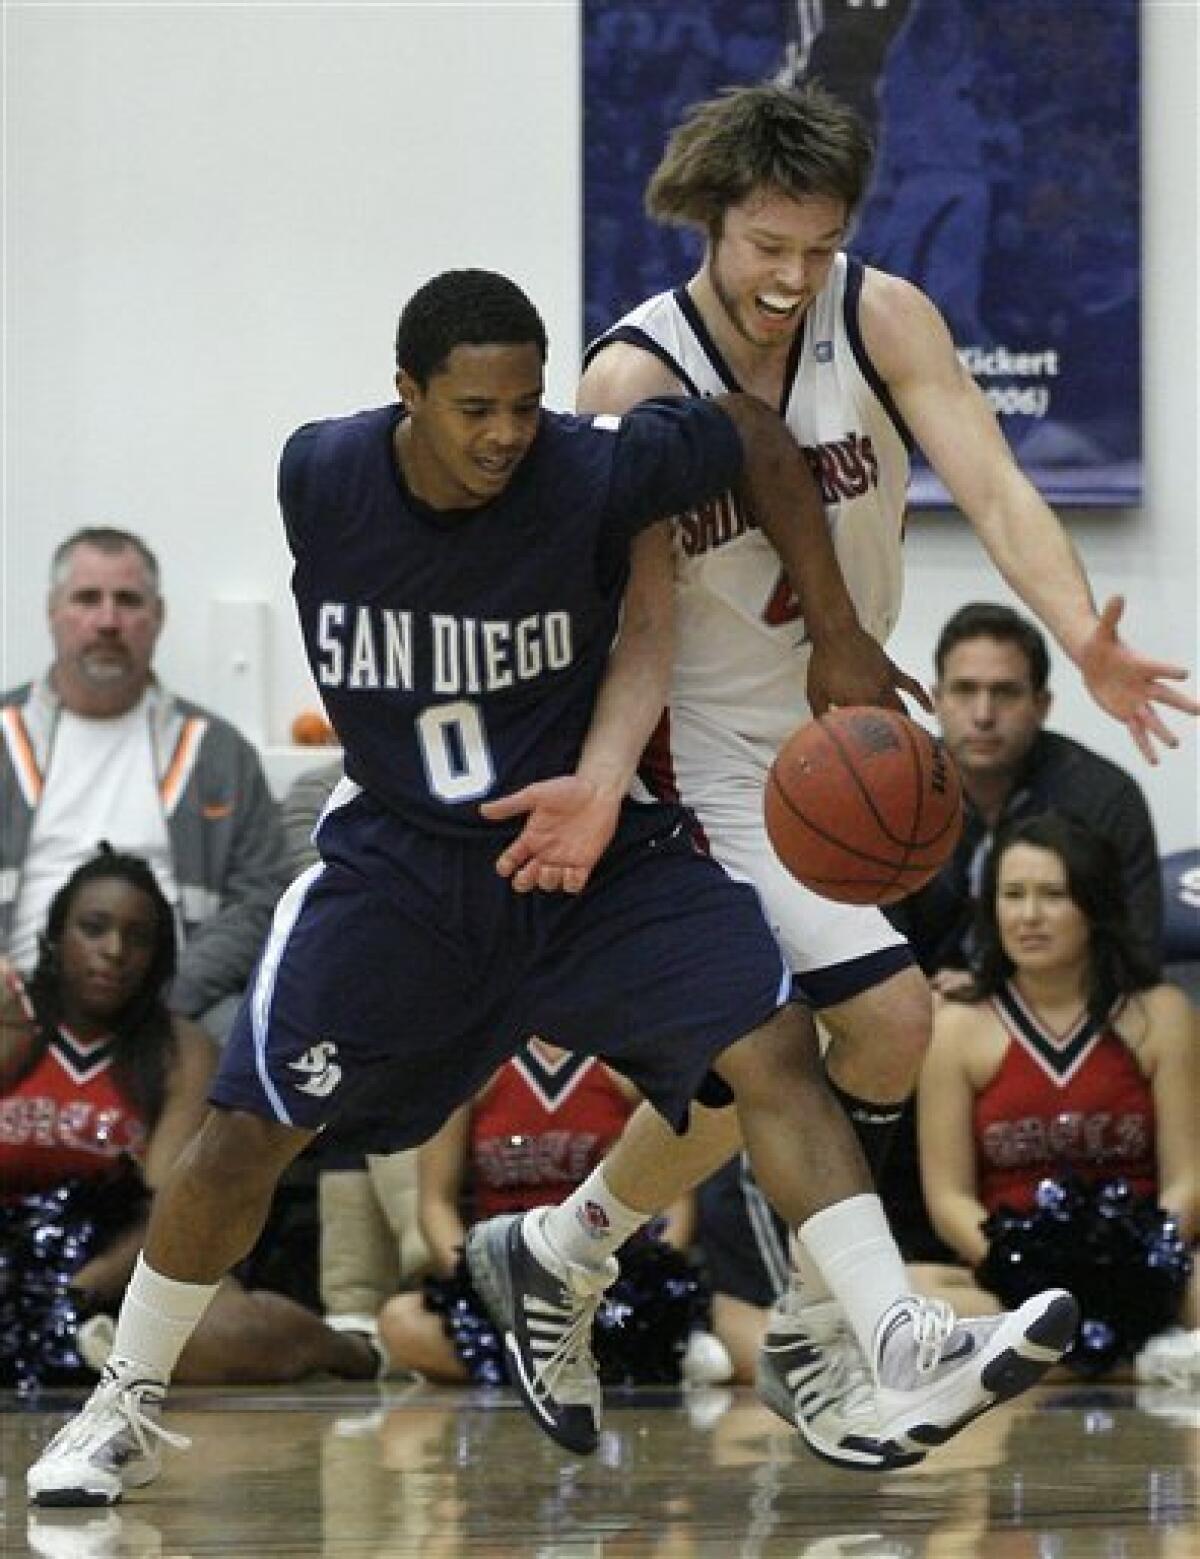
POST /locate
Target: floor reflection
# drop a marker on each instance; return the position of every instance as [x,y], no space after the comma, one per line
[1067,1473]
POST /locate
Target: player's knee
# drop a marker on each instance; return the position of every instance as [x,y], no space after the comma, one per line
[782,1054]
[891,1024]
[241,1155]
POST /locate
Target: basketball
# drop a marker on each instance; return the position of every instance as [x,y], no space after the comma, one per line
[863,806]
[310,728]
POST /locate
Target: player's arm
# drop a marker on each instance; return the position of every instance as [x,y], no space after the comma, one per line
[570,821]
[950,418]
[847,666]
[944,1136]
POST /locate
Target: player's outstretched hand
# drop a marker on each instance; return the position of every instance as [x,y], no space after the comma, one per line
[569,823]
[1128,685]
[853,668]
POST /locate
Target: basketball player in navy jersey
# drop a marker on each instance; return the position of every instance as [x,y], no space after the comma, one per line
[460,561]
[860,365]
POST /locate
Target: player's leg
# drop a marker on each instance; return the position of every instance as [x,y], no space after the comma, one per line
[859,1331]
[315,1024]
[857,973]
[929,1374]
[801,1141]
[205,1217]
[878,1039]
[852,967]
[657,968]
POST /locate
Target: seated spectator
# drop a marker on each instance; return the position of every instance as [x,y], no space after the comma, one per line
[992,698]
[1057,1109]
[301,808]
[100,1089]
[529,1138]
[371,1245]
[100,749]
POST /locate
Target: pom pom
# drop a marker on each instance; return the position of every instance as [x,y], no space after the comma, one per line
[644,1322]
[45,1237]
[1119,1254]
[467,1325]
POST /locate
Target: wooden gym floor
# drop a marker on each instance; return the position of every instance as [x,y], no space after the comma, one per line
[407,1470]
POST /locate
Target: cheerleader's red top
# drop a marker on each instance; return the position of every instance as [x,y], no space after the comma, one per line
[66,1119]
[1074,1102]
[539,1129]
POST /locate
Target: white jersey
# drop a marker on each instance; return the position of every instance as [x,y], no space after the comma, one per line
[741,653]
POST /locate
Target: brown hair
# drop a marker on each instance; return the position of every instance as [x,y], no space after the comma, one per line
[802,141]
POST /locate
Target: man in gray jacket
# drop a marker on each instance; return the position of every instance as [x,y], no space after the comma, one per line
[99,749]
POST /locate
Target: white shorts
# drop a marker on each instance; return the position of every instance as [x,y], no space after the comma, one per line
[835,950]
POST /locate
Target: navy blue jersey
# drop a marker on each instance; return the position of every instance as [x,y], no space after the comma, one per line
[459,652]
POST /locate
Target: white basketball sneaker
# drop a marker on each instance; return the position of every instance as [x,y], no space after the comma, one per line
[935,1374]
[108,1447]
[931,1376]
[812,1373]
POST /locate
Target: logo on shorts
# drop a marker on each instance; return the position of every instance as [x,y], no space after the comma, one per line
[594,1219]
[321,1070]
[823,351]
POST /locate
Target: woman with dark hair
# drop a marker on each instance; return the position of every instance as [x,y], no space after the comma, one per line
[100,1089]
[1057,1108]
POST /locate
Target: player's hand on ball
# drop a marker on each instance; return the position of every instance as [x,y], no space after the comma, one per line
[853,669]
[569,823]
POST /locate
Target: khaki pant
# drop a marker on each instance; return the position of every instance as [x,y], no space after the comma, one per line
[371,1245]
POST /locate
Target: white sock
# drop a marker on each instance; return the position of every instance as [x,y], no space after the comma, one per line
[590,1225]
[854,1248]
[158,1315]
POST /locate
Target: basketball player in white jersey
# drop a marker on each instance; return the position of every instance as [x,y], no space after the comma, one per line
[861,366]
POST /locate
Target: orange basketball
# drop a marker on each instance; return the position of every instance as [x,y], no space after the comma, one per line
[863,805]
[310,728]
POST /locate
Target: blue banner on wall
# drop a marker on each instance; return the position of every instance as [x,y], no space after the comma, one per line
[1006,185]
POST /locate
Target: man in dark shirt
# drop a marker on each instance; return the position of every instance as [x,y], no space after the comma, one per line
[992,699]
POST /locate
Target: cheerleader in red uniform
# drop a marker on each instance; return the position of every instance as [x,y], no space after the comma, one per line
[1058,1105]
[538,1129]
[100,1089]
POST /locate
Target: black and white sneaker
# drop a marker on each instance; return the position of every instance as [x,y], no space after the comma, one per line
[545,1317]
[813,1374]
[934,1374]
[108,1447]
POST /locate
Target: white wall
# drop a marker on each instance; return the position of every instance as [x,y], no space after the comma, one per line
[213,214]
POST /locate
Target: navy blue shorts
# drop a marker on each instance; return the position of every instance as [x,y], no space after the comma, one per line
[401,970]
